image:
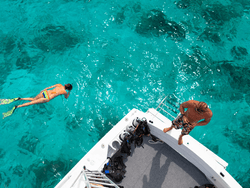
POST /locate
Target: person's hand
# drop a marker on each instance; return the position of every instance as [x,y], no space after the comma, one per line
[193,125]
[185,119]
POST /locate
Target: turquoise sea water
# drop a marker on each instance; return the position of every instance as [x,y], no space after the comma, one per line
[118,55]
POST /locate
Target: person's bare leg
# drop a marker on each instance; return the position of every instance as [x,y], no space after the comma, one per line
[40,95]
[168,129]
[38,101]
[26,99]
[180,141]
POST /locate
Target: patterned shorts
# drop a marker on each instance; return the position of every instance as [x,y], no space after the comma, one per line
[178,124]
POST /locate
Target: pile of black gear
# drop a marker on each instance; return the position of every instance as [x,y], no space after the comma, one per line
[134,134]
[115,168]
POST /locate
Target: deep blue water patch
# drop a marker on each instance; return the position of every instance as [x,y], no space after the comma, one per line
[155,23]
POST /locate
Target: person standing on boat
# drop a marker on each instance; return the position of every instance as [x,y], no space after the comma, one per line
[44,96]
[197,114]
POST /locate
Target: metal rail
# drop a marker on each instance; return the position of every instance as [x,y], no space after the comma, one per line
[170,105]
[94,179]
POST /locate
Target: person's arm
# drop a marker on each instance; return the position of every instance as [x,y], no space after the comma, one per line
[188,104]
[50,87]
[67,95]
[182,109]
[204,122]
[207,118]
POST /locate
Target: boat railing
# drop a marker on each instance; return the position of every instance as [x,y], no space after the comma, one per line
[170,106]
[94,179]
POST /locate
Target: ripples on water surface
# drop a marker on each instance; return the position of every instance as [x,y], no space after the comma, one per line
[119,56]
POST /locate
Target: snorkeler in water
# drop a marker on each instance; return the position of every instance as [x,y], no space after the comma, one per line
[44,96]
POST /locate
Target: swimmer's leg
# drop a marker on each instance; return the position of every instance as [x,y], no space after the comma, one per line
[43,100]
[38,101]
[26,99]
[39,96]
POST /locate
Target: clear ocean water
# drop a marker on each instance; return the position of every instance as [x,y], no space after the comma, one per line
[118,55]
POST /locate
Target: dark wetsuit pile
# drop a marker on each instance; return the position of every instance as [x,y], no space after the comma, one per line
[178,124]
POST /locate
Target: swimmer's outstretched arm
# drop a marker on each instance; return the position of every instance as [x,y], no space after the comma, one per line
[67,95]
[50,87]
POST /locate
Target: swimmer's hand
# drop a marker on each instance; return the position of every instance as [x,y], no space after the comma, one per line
[67,95]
